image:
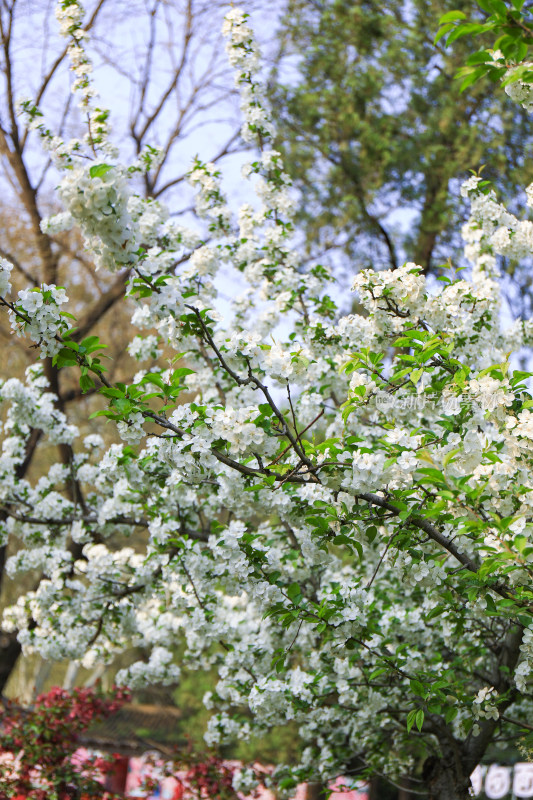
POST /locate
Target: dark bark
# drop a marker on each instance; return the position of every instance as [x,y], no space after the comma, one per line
[405,792]
[446,778]
[96,312]
[432,219]
[315,790]
[502,680]
[9,653]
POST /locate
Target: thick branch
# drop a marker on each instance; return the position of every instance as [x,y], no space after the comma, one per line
[103,304]
[426,526]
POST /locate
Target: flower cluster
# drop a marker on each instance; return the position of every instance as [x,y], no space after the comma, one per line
[5,273]
[210,202]
[243,54]
[484,704]
[37,314]
[521,91]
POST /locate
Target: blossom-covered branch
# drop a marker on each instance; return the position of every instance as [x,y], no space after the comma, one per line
[357,556]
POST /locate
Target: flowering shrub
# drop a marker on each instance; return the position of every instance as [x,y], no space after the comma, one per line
[210,776]
[339,517]
[42,742]
[193,776]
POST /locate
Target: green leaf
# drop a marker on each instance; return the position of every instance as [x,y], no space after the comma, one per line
[99,170]
[86,383]
[435,612]
[371,533]
[521,51]
[443,31]
[124,406]
[450,456]
[419,719]
[481,57]
[294,592]
[65,358]
[105,412]
[468,28]
[181,372]
[474,76]
[92,343]
[434,474]
[491,606]
[109,391]
[280,665]
[451,16]
[498,7]
[411,719]
[376,673]
[319,522]
[451,713]
[417,688]
[154,378]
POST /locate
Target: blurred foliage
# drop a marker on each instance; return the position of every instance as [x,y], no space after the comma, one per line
[279,744]
[377,135]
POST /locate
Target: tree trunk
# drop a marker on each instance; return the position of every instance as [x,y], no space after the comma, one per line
[445,778]
[315,790]
[404,792]
[9,653]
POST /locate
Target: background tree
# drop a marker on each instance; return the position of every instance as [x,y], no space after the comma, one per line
[173,91]
[377,136]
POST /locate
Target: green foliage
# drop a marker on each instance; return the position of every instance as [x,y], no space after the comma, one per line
[373,121]
[510,28]
[99,170]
